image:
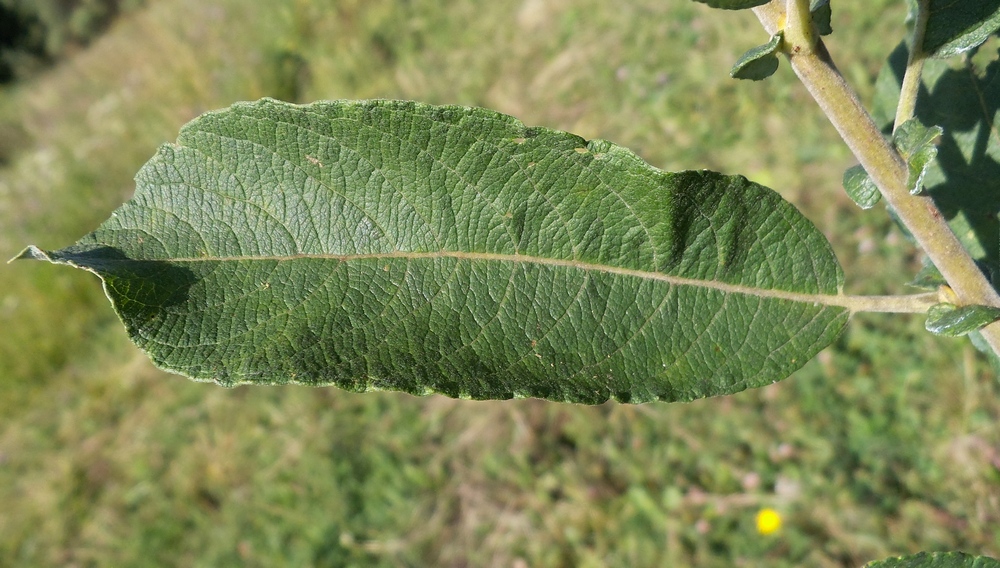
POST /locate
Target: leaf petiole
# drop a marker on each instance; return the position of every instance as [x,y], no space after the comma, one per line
[905,304]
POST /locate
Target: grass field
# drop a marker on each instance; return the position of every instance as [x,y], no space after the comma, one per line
[887,443]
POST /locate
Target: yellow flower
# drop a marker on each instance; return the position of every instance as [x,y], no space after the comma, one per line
[768,521]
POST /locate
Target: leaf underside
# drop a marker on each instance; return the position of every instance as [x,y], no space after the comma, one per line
[387,245]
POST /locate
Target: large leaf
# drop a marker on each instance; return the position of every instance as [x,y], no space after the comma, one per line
[936,560]
[963,98]
[394,245]
[955,26]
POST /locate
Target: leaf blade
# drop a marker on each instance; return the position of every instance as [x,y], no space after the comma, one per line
[822,13]
[760,62]
[954,27]
[860,187]
[915,143]
[950,320]
[391,245]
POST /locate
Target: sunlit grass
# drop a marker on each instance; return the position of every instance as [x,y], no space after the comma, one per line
[887,443]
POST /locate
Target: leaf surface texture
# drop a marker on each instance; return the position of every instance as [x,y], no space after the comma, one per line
[956,26]
[388,245]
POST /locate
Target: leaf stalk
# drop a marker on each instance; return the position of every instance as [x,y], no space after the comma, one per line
[909,304]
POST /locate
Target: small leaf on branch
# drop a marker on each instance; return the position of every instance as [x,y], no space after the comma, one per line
[821,16]
[956,26]
[929,278]
[936,560]
[760,62]
[391,245]
[915,143]
[860,187]
[734,4]
[953,321]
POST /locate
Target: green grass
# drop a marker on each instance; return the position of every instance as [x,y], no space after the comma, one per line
[887,443]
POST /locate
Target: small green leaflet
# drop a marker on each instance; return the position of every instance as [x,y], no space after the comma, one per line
[956,26]
[936,560]
[391,245]
[821,16]
[929,278]
[760,62]
[954,321]
[915,143]
[860,187]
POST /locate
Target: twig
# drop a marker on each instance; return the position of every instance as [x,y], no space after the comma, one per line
[914,66]
[799,30]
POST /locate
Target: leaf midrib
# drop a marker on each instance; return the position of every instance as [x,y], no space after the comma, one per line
[834,300]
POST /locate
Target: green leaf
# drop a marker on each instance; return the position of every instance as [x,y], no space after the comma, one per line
[821,16]
[953,321]
[956,26]
[860,187]
[929,277]
[915,143]
[387,245]
[936,560]
[962,96]
[734,4]
[760,62]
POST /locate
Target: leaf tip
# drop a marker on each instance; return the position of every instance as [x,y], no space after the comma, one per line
[31,252]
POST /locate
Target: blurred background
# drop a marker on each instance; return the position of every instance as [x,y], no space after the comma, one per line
[886,443]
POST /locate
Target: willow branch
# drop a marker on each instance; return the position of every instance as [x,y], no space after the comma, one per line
[887,169]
